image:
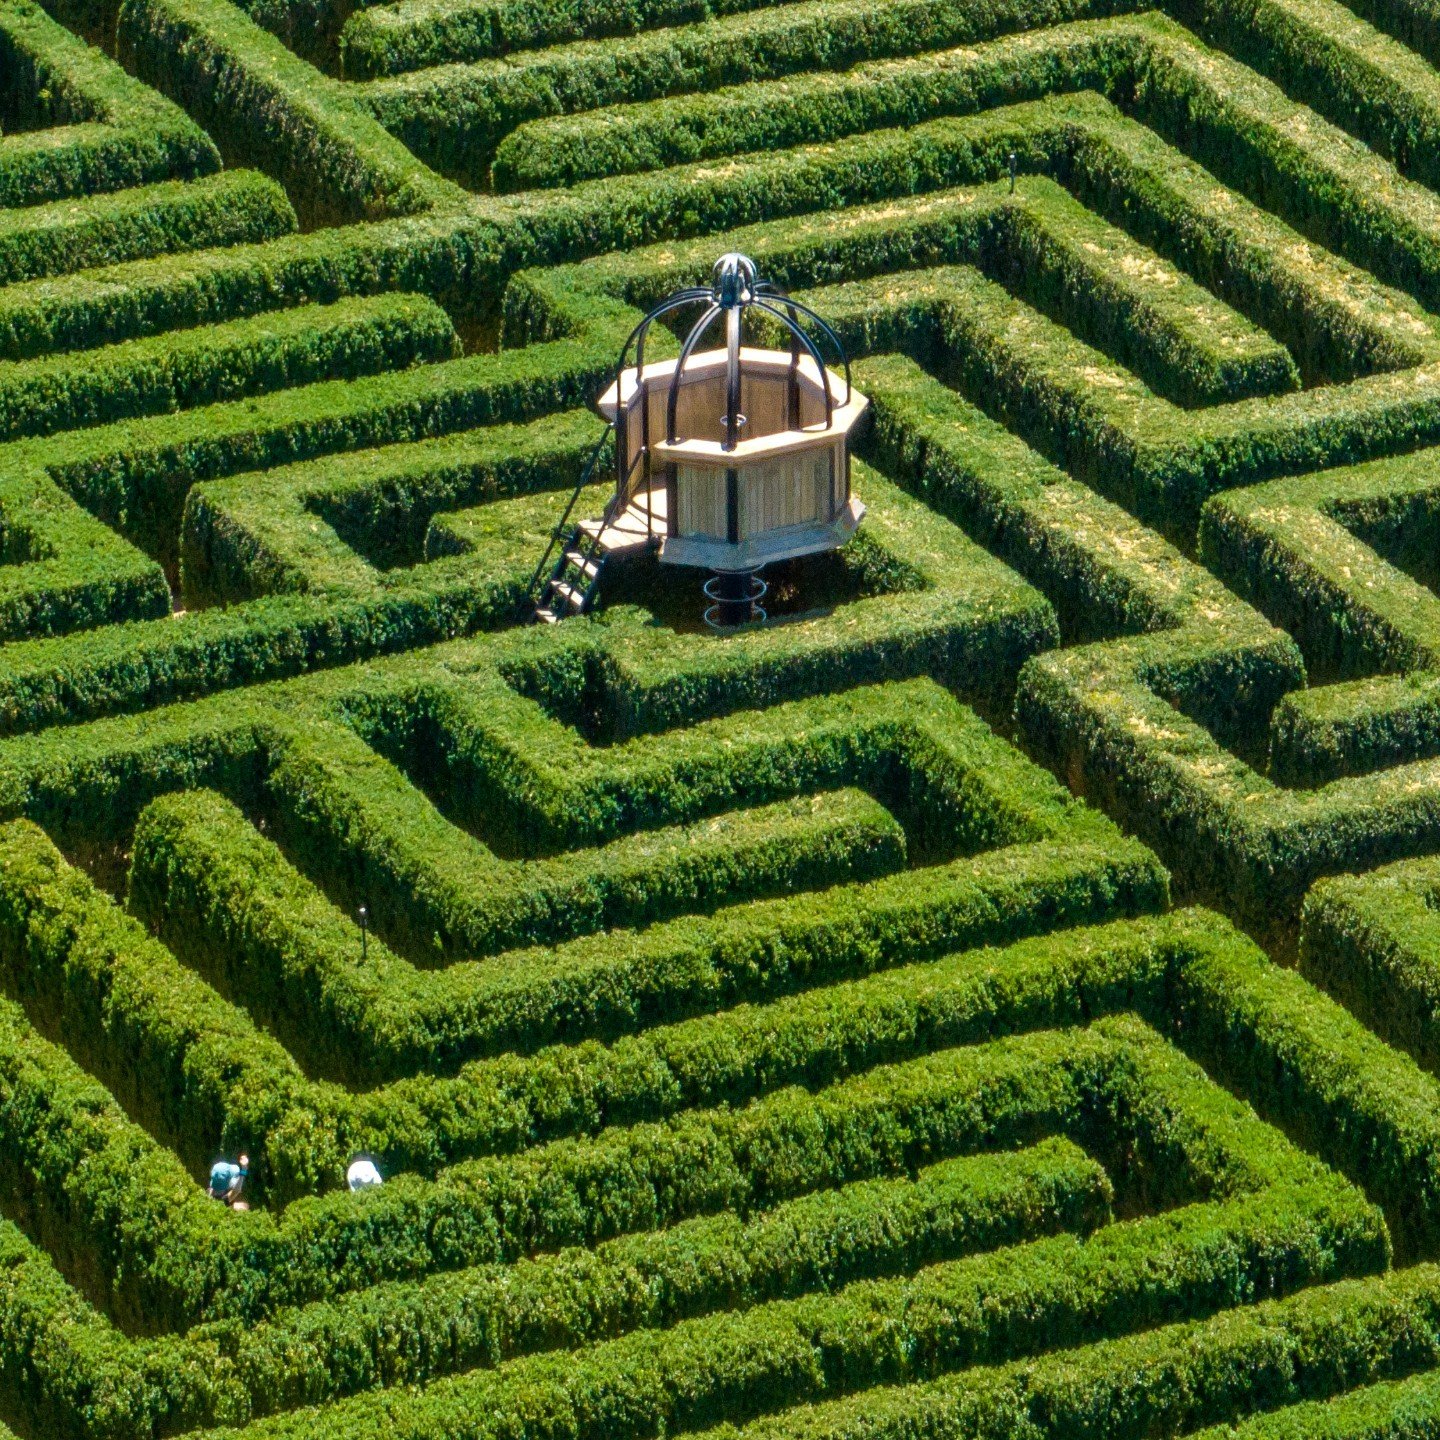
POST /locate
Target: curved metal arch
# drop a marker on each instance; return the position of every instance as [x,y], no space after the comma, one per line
[773,292]
[769,298]
[814,352]
[694,295]
[672,404]
[797,334]
[678,300]
[834,339]
[792,378]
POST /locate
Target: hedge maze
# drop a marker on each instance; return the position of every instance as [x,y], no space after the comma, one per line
[996,999]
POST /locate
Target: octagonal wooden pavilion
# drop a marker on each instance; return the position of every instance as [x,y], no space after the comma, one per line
[728,458]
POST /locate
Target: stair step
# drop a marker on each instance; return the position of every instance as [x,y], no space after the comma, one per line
[546,615]
[574,598]
[588,568]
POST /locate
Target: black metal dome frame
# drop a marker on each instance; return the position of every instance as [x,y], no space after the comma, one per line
[735,288]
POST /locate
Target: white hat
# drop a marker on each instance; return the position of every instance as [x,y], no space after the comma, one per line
[362,1174]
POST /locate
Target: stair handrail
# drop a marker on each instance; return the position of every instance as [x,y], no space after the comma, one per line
[532,591]
[616,505]
[625,490]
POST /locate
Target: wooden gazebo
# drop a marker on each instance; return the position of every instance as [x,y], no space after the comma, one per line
[728,459]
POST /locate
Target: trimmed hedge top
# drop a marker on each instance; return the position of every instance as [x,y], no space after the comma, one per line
[784,1034]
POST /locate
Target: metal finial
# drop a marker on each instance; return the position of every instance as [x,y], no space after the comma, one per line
[733,280]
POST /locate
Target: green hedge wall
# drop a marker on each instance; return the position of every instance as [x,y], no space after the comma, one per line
[176,292]
[382,38]
[585,988]
[241,537]
[264,103]
[479,104]
[930,1095]
[275,351]
[233,208]
[388,1019]
[798,1350]
[1173,1379]
[790,844]
[115,132]
[79,1377]
[1368,940]
[810,109]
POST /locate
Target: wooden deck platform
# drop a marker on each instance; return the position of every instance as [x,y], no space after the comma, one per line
[631,533]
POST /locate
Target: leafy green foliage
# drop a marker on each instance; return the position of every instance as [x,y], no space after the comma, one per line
[781,1034]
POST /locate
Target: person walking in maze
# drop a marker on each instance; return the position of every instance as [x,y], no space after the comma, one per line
[227,1181]
[363,1174]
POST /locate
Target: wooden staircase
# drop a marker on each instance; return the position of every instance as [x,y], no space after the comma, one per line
[580,551]
[572,584]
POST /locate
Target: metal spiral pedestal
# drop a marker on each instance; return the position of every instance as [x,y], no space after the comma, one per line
[735,597]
